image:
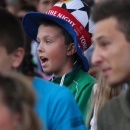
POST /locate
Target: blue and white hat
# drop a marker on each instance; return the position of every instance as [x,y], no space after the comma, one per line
[71,15]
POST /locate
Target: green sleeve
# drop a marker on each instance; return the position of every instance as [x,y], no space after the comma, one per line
[84,101]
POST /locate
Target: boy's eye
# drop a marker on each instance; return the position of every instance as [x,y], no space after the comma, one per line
[105,44]
[48,41]
[38,41]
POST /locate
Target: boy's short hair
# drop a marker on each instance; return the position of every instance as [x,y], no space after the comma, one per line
[11,32]
[119,9]
[67,37]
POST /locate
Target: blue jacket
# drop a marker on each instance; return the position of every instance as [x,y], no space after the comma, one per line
[56,107]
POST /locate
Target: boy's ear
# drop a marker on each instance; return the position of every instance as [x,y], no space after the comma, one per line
[71,49]
[18,56]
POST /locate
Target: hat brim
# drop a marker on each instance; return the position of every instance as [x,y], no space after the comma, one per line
[31,23]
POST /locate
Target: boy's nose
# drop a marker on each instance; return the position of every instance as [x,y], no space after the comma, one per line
[40,48]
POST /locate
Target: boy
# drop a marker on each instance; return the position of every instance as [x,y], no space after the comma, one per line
[111,39]
[50,97]
[62,38]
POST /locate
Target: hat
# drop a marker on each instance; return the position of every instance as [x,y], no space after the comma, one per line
[71,15]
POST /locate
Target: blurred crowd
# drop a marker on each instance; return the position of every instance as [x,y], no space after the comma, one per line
[64,65]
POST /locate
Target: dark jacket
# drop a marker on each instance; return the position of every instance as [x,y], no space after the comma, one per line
[115,115]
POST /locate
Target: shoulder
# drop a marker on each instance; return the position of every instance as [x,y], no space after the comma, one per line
[84,76]
[110,107]
[82,83]
[114,111]
[51,90]
[110,112]
[43,85]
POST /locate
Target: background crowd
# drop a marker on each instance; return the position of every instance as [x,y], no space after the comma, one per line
[51,78]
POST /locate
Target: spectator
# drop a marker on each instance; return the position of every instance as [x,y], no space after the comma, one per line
[17,104]
[45,5]
[13,6]
[68,64]
[112,54]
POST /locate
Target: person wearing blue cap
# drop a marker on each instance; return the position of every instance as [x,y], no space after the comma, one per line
[55,105]
[63,34]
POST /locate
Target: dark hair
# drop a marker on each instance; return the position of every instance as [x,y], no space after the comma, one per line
[28,8]
[118,9]
[29,67]
[19,97]
[11,32]
[68,38]
[2,3]
[48,0]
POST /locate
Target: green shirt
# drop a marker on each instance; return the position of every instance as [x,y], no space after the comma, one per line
[80,84]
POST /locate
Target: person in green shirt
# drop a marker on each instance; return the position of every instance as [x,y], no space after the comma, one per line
[63,34]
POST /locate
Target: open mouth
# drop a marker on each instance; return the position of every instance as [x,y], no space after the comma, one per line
[43,61]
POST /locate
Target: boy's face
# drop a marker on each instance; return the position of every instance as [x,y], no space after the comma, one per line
[45,5]
[111,52]
[52,51]
[10,61]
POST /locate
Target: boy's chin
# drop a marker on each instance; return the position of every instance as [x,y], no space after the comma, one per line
[47,72]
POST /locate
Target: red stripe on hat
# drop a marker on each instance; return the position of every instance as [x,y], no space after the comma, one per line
[83,36]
